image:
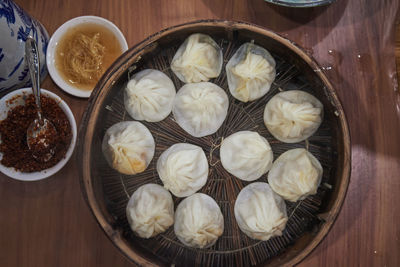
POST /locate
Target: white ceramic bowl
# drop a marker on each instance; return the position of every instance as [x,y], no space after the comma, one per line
[54,41]
[33,176]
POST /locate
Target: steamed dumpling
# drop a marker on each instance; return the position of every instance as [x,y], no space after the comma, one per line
[259,212]
[198,221]
[246,155]
[128,147]
[293,116]
[183,169]
[295,175]
[149,96]
[250,72]
[198,59]
[150,210]
[200,108]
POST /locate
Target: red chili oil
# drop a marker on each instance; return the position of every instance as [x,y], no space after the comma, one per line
[16,152]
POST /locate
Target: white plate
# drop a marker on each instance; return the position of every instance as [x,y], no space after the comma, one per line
[54,40]
[34,176]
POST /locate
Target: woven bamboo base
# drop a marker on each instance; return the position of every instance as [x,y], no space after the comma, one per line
[233,248]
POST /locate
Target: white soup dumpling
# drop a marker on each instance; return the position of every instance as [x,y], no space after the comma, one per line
[150,210]
[250,72]
[128,147]
[295,175]
[149,95]
[293,116]
[198,59]
[183,169]
[246,155]
[198,221]
[259,212]
[200,108]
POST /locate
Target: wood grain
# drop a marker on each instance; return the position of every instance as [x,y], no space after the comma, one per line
[397,51]
[47,223]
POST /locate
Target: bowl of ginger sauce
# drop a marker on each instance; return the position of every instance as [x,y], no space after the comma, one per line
[81,51]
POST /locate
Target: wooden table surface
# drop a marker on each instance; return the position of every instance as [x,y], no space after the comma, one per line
[47,223]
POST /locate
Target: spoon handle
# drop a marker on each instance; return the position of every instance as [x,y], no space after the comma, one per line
[32,58]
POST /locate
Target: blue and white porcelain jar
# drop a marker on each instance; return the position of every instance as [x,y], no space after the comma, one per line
[15,26]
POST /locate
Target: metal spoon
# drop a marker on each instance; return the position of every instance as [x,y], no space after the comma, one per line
[40,131]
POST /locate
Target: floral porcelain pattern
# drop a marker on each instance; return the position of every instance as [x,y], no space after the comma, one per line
[15,26]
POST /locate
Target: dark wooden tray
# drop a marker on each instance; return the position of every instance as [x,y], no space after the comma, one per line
[107,192]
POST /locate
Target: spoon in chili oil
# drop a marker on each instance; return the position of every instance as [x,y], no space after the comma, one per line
[41,134]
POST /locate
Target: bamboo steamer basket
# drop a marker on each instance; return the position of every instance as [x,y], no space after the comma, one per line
[107,192]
